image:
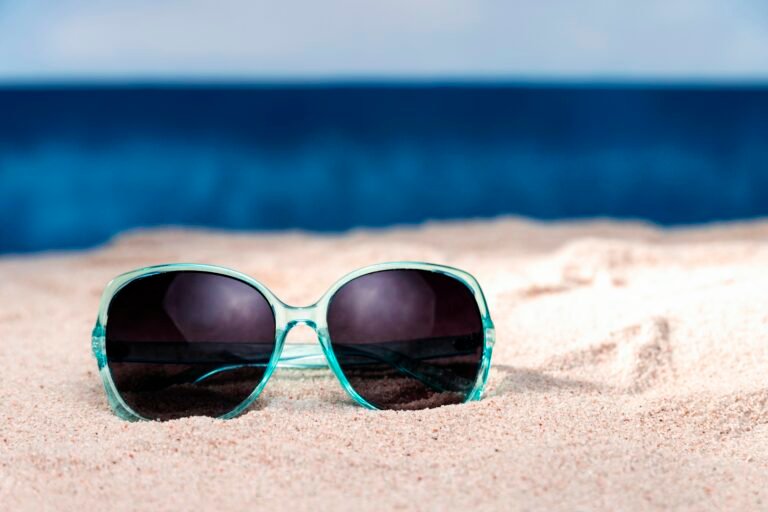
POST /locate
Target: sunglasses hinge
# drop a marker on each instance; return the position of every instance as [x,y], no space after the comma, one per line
[97,344]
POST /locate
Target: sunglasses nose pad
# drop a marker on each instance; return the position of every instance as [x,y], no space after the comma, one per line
[303,354]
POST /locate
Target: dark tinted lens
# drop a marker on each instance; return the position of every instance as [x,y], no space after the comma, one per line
[407,339]
[188,343]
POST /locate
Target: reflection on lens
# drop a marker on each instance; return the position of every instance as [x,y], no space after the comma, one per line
[407,339]
[188,343]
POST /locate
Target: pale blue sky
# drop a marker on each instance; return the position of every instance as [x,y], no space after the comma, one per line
[443,39]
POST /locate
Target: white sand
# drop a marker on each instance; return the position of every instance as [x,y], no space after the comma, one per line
[631,372]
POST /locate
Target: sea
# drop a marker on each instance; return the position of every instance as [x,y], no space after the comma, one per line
[82,162]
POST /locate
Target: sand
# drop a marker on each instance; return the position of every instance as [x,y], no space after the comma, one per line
[630,372]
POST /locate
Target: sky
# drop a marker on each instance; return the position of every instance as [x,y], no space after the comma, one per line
[403,39]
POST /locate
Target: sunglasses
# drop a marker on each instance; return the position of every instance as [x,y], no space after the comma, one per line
[182,340]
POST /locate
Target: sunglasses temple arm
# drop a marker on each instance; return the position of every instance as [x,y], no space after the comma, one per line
[302,356]
[299,356]
[433,376]
[310,356]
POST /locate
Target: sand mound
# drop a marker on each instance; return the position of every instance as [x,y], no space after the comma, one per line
[631,372]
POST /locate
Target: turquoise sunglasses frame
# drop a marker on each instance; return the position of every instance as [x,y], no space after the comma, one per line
[300,356]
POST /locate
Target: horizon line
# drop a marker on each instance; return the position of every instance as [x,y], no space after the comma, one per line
[275,82]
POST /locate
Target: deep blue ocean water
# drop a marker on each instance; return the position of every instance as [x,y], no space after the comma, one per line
[78,164]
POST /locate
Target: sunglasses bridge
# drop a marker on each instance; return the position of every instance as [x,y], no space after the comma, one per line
[302,355]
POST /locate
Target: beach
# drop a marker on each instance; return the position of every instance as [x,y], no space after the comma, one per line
[630,372]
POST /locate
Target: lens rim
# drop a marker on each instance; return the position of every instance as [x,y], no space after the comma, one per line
[463,277]
[286,317]
[119,406]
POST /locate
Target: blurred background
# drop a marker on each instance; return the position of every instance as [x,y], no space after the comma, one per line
[332,115]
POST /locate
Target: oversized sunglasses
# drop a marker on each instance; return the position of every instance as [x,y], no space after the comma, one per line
[185,339]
